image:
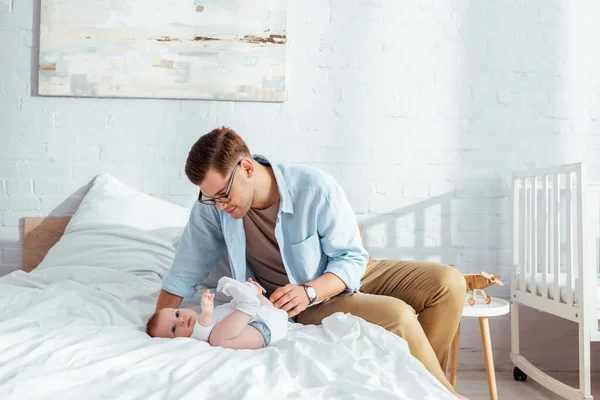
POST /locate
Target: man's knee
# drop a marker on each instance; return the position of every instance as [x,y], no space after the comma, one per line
[451,280]
[395,314]
[452,286]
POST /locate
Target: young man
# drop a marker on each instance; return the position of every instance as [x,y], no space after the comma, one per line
[291,228]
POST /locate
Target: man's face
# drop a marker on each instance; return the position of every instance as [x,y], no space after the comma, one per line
[241,191]
[175,322]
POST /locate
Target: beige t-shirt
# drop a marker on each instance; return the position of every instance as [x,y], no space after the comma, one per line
[262,250]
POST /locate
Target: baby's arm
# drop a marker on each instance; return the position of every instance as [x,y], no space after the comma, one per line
[206,316]
[204,326]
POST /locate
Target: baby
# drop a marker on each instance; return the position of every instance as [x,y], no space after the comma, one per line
[249,321]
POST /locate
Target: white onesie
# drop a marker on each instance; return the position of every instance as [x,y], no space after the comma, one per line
[275,319]
[245,300]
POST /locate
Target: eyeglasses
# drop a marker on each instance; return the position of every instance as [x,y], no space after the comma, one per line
[222,199]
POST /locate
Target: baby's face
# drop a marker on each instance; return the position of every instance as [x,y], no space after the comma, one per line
[175,322]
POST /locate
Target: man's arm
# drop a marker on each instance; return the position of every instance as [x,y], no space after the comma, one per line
[201,247]
[294,300]
[167,300]
[341,242]
[347,259]
[327,285]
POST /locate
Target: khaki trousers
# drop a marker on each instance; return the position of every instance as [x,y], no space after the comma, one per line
[419,301]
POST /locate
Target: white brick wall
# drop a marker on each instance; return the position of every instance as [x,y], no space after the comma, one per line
[421,109]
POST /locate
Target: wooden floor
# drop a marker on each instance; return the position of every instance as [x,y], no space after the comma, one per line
[473,384]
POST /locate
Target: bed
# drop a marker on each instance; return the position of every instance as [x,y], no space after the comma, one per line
[73,321]
[556,259]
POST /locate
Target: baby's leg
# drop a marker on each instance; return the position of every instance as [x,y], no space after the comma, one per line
[233,332]
[264,301]
[249,339]
[245,294]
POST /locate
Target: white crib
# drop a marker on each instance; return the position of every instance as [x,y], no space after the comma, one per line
[556,226]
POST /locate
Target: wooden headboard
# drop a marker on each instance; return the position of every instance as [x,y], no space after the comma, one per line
[39,235]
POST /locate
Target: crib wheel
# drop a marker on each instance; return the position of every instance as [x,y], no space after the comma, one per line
[519,375]
[471,301]
[488,300]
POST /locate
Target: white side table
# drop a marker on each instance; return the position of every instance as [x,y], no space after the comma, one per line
[483,312]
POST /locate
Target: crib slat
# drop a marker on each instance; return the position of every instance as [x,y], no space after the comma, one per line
[544,224]
[516,228]
[527,229]
[523,237]
[569,239]
[596,244]
[533,235]
[556,237]
[551,229]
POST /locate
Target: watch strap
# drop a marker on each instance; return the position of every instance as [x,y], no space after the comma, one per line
[310,300]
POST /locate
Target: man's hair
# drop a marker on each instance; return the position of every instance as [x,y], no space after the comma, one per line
[151,324]
[219,149]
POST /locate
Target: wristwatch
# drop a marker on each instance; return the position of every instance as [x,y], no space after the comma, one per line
[311,293]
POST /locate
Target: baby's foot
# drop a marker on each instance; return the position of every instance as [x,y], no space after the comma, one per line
[261,290]
[208,306]
[264,301]
[237,290]
[245,294]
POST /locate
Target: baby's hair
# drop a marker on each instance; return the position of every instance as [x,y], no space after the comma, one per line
[151,324]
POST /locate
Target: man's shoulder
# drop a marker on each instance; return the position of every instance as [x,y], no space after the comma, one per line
[302,177]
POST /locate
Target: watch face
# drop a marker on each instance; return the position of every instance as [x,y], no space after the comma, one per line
[312,293]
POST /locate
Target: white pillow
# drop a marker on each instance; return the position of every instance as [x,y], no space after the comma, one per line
[120,228]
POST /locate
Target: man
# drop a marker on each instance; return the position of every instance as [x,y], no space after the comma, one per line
[292,229]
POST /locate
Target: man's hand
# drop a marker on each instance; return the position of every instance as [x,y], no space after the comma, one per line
[167,300]
[290,298]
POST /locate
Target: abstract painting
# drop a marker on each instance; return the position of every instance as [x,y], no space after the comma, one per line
[186,49]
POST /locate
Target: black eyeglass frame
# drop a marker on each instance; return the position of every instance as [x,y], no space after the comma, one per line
[222,199]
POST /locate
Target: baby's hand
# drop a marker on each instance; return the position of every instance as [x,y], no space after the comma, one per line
[207,303]
[261,289]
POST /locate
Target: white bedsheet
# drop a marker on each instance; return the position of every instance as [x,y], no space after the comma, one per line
[77,333]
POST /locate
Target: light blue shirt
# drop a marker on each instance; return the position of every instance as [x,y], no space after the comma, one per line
[316,230]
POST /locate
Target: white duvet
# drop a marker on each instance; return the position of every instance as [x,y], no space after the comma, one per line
[77,333]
